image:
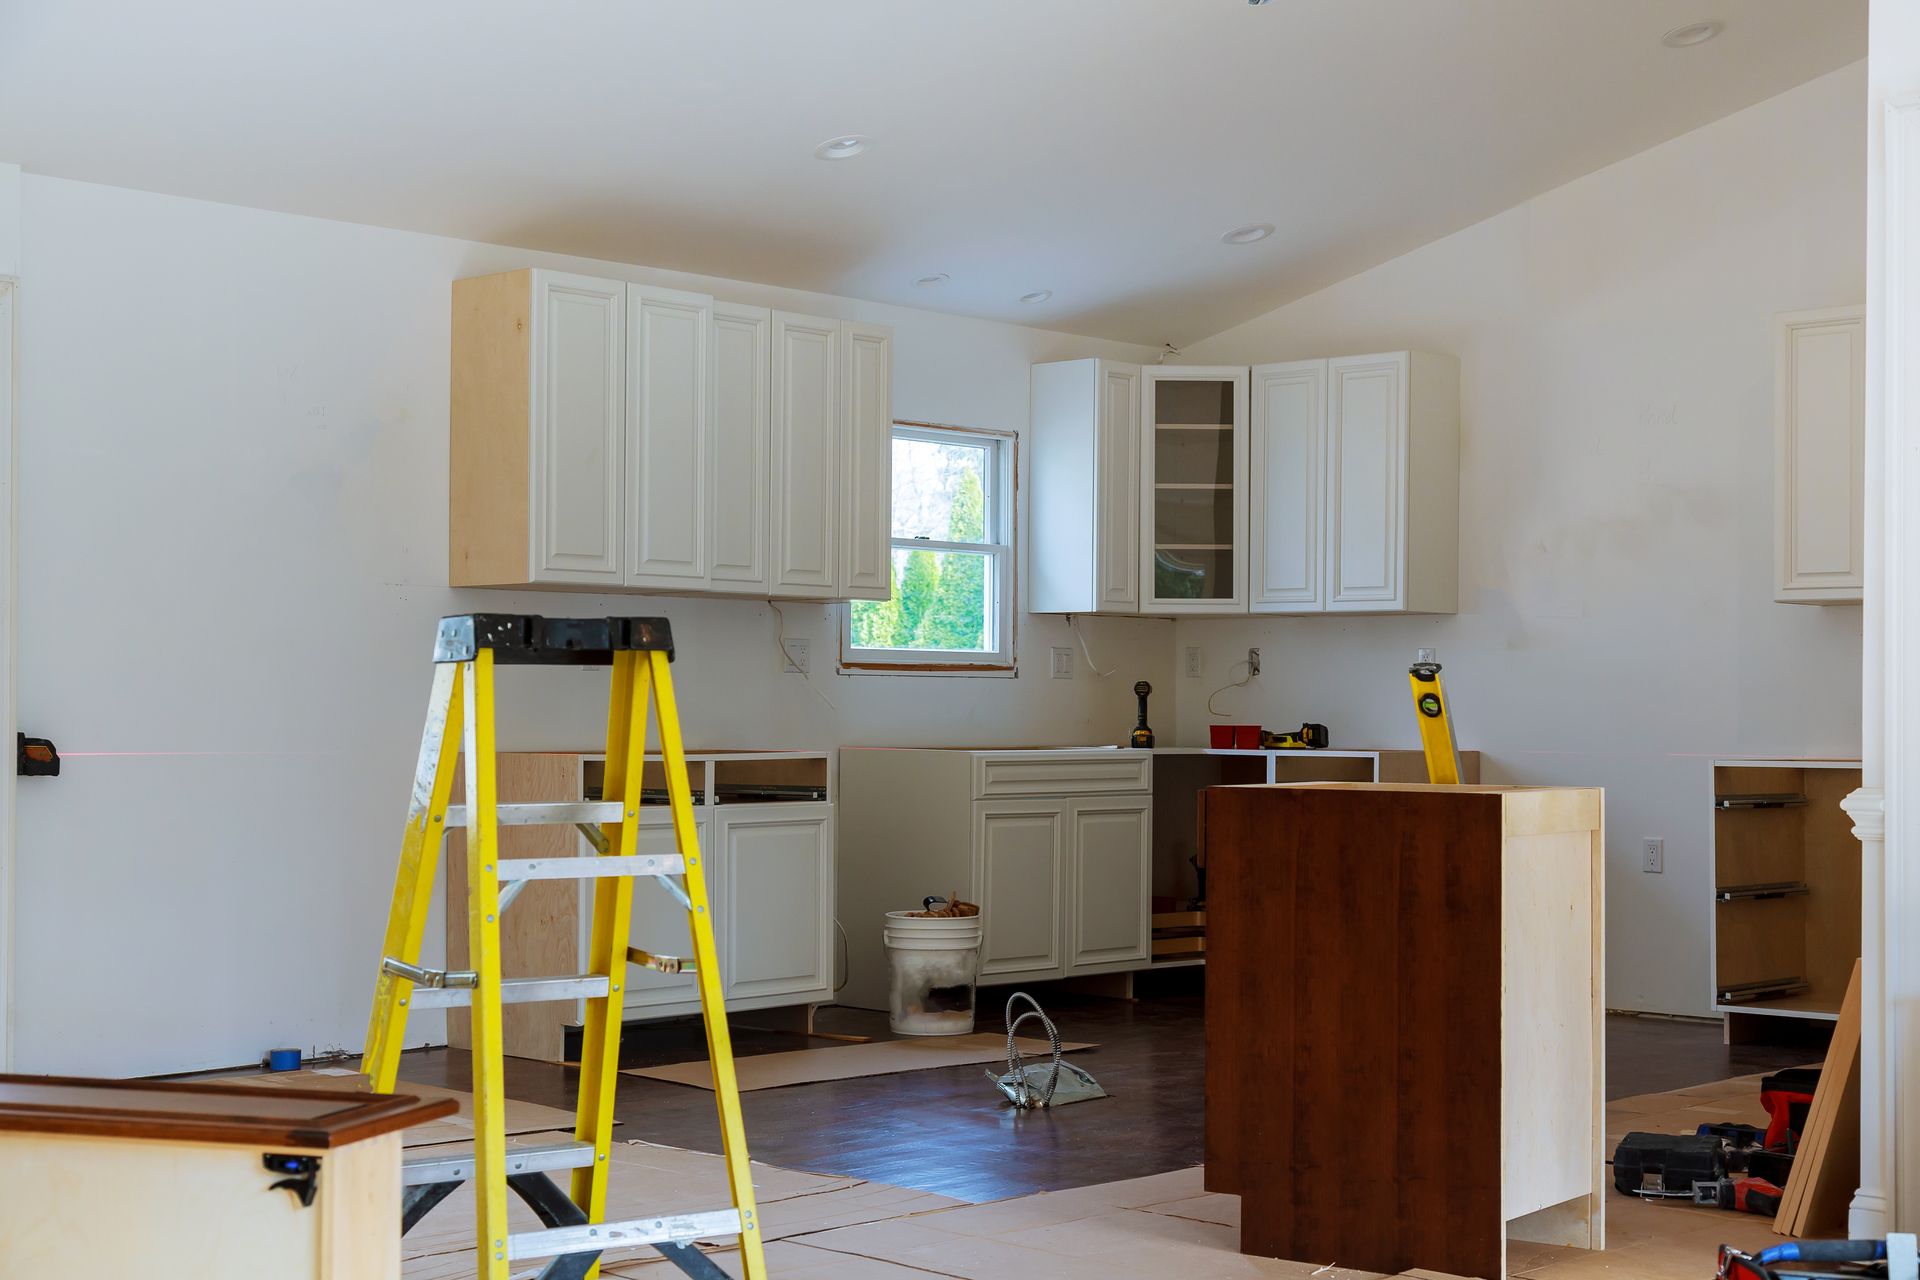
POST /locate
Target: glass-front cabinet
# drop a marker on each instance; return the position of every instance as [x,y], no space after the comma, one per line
[1193,490]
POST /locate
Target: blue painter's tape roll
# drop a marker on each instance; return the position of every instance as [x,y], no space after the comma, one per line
[283,1059]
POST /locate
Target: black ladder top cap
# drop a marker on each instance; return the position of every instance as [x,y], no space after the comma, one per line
[527,639]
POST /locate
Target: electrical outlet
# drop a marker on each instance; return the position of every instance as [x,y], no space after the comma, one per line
[1062,662]
[1253,663]
[1653,855]
[799,657]
[1193,662]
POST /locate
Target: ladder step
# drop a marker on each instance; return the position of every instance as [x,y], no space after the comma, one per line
[679,1228]
[457,1166]
[545,815]
[585,986]
[592,867]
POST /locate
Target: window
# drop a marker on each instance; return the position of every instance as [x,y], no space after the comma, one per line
[952,605]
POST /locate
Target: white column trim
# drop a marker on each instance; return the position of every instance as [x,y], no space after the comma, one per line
[1890,1112]
[1867,1215]
[9,542]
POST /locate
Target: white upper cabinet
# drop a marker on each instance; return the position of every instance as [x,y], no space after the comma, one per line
[538,426]
[1392,523]
[866,458]
[1084,549]
[668,383]
[1819,456]
[740,434]
[1288,461]
[806,409]
[616,437]
[1315,486]
[1193,468]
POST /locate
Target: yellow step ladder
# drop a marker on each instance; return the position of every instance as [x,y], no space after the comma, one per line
[460,714]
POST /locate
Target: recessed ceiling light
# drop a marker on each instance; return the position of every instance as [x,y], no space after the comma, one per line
[1248,234]
[844,147]
[933,281]
[1693,33]
[1038,295]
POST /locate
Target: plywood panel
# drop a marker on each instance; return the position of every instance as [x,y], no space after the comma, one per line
[1832,861]
[540,933]
[1547,1053]
[491,399]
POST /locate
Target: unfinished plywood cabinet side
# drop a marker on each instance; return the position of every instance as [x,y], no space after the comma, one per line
[490,400]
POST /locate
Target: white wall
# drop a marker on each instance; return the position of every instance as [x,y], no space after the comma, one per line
[233,455]
[1616,624]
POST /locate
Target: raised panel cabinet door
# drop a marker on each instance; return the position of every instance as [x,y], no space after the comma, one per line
[1018,851]
[667,386]
[658,923]
[866,466]
[1110,884]
[1116,499]
[578,511]
[1288,464]
[806,414]
[740,447]
[1366,551]
[778,916]
[1193,490]
[1820,457]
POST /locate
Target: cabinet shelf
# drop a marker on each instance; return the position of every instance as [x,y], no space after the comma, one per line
[1779,800]
[1193,426]
[1761,892]
[1193,546]
[1192,486]
[1770,989]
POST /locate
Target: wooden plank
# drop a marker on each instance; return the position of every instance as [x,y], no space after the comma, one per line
[488,424]
[1827,1168]
[540,934]
[190,1111]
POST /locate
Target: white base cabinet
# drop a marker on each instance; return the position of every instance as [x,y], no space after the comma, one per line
[1055,846]
[765,826]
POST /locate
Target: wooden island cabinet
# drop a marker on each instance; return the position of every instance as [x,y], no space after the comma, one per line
[1405,1020]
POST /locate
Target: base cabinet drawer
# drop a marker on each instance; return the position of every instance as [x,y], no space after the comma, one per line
[1056,773]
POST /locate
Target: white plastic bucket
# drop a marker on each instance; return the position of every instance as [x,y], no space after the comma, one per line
[935,961]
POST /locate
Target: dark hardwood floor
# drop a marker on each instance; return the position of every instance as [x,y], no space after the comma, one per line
[949,1131]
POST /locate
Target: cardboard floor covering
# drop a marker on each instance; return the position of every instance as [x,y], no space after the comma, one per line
[1162,1227]
[849,1062]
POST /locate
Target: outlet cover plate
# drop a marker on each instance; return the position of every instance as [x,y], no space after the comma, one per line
[799,653]
[1193,662]
[1653,855]
[1062,662]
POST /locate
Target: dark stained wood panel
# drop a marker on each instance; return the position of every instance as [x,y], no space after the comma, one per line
[190,1112]
[1353,1024]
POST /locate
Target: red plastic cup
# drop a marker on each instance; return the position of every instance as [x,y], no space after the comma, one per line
[1246,736]
[1220,736]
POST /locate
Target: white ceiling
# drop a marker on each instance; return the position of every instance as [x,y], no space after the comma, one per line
[1096,148]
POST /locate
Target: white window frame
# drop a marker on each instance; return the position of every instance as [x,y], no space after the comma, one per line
[1002,519]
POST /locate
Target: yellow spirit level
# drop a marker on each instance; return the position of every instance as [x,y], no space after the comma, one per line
[1436,727]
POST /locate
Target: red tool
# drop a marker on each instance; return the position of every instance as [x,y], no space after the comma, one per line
[1746,1195]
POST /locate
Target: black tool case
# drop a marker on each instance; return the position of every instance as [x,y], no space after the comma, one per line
[1665,1163]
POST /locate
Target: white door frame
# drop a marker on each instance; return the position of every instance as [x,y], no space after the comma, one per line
[1886,809]
[9,384]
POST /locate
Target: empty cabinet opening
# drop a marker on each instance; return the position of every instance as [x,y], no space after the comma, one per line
[1204,402]
[653,781]
[791,780]
[1786,889]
